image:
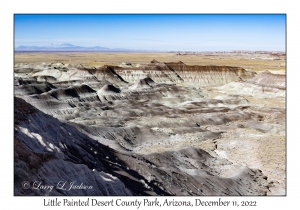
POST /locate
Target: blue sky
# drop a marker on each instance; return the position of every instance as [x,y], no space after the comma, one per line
[190,32]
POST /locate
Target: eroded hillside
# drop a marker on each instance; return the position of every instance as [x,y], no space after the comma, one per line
[151,129]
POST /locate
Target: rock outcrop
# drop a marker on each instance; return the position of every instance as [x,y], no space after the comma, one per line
[49,152]
[262,85]
[209,75]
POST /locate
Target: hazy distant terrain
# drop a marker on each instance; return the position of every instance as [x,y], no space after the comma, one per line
[151,123]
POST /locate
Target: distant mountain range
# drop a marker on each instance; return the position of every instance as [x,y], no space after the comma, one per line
[70,47]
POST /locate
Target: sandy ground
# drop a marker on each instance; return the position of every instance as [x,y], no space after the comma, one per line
[258,64]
